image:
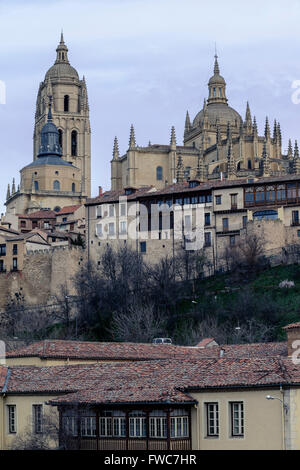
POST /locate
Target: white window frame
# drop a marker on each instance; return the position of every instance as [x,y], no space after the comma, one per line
[12,420]
[212,419]
[111,210]
[237,416]
[88,426]
[158,427]
[101,231]
[138,425]
[123,232]
[113,232]
[178,424]
[99,212]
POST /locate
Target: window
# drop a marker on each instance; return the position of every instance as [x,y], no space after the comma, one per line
[298,234]
[112,423]
[207,219]
[233,201]
[12,419]
[111,210]
[60,138]
[56,185]
[207,239]
[180,426]
[74,143]
[36,185]
[65,219]
[123,228]
[268,215]
[66,103]
[99,211]
[209,198]
[99,232]
[69,425]
[88,426]
[23,223]
[218,200]
[202,199]
[73,188]
[295,217]
[245,220]
[15,249]
[232,240]
[186,201]
[212,416]
[37,415]
[143,247]
[270,194]
[249,165]
[249,196]
[159,173]
[123,210]
[111,228]
[225,224]
[15,264]
[2,250]
[158,424]
[178,201]
[137,424]
[260,194]
[281,193]
[237,419]
[1,265]
[194,200]
[292,191]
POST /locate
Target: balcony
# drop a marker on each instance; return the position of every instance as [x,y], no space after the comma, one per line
[119,444]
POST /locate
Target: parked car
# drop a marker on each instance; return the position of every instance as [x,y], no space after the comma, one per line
[162,341]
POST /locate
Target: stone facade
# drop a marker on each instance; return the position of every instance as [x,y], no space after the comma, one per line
[43,184]
[213,216]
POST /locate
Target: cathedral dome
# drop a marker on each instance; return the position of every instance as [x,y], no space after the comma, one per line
[220,111]
[62,70]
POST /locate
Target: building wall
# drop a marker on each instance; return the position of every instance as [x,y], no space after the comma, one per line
[42,276]
[262,419]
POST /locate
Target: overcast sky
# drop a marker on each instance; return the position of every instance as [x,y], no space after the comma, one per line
[146,62]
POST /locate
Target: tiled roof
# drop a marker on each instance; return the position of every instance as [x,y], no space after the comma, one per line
[137,351]
[68,209]
[3,374]
[169,380]
[39,215]
[292,326]
[205,342]
[176,188]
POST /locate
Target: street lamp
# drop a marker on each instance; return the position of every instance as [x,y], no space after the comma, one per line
[285,406]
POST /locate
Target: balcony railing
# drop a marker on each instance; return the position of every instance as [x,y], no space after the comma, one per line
[117,444]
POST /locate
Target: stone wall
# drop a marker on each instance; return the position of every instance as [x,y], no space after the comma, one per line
[43,274]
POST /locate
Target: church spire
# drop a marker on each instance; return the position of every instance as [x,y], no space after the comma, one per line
[62,51]
[248,120]
[267,129]
[217,86]
[216,67]
[8,192]
[187,126]
[173,139]
[116,153]
[132,142]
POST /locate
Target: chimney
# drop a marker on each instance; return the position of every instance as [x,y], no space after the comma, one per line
[100,191]
[293,334]
[222,353]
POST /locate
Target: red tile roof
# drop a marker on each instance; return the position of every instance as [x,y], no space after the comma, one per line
[3,375]
[136,351]
[39,215]
[68,209]
[169,380]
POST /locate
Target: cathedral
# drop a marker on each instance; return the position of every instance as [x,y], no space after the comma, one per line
[218,144]
[60,173]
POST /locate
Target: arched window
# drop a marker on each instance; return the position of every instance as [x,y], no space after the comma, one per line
[60,138]
[36,185]
[249,165]
[238,166]
[66,103]
[56,185]
[74,143]
[159,173]
[73,187]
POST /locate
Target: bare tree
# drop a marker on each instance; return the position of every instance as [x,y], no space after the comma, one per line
[139,324]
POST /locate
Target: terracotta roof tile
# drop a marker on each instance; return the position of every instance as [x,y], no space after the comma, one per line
[137,351]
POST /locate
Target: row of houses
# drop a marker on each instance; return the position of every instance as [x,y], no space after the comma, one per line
[195,215]
[122,396]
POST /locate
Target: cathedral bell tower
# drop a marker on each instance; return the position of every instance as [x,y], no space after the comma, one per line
[70,114]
